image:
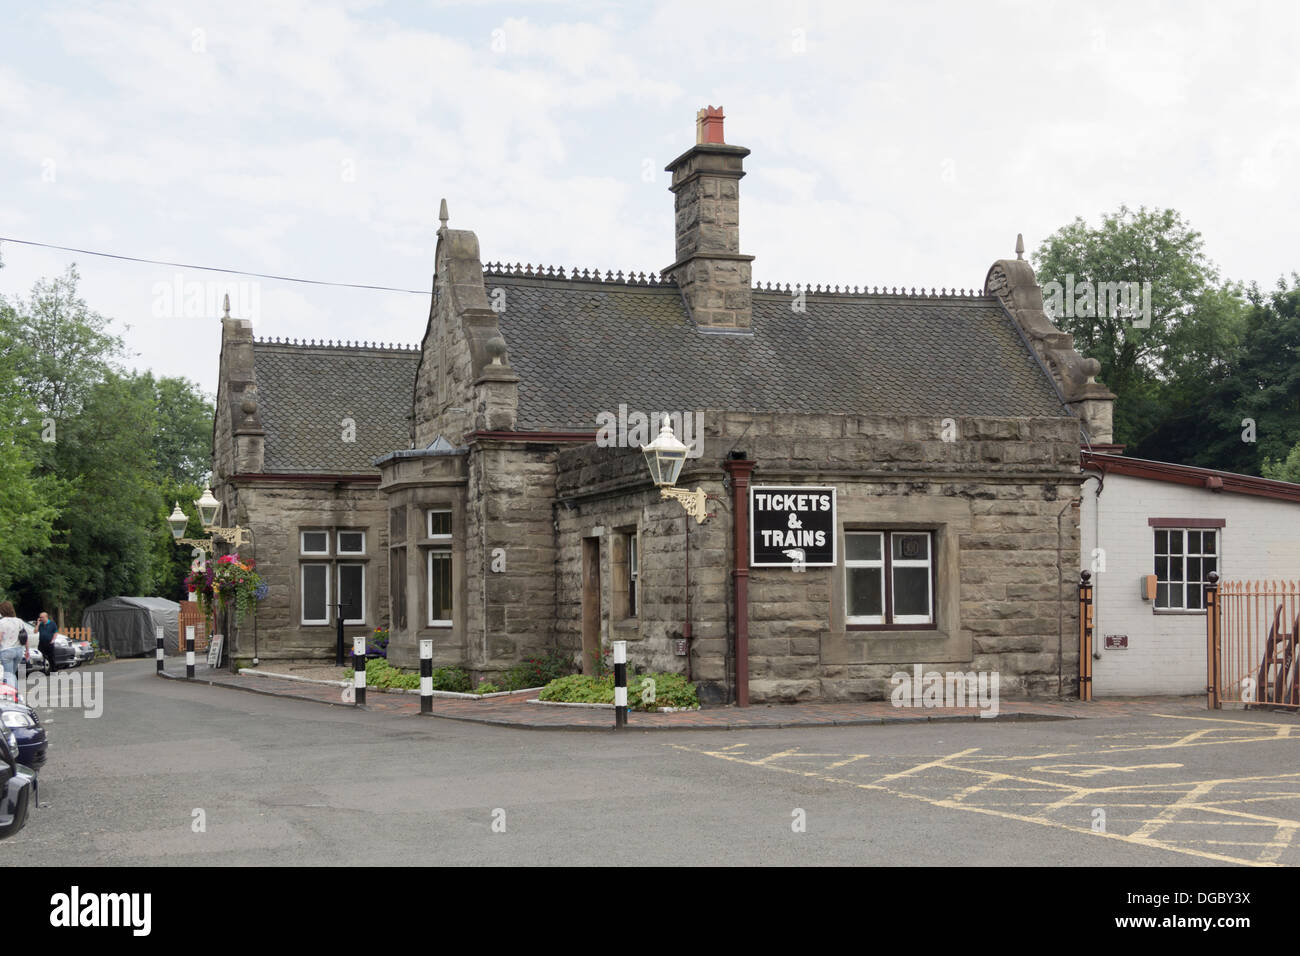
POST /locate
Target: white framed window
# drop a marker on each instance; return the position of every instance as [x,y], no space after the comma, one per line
[631,574]
[864,577]
[314,542]
[440,524]
[315,593]
[351,542]
[1184,558]
[889,578]
[352,592]
[440,587]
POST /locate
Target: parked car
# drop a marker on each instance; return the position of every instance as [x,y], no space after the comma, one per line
[36,660]
[66,653]
[9,694]
[30,738]
[17,787]
[84,651]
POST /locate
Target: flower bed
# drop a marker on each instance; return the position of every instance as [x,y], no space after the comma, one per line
[669,691]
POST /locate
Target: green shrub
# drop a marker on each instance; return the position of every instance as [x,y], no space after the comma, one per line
[487,687]
[538,671]
[670,690]
[579,689]
[380,673]
[449,678]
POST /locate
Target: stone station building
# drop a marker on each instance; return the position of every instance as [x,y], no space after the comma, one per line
[493,496]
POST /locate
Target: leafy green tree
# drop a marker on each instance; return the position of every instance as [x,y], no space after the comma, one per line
[1286,470]
[92,493]
[29,503]
[1165,369]
[66,346]
[104,538]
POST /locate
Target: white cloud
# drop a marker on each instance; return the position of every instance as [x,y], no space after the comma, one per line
[891,145]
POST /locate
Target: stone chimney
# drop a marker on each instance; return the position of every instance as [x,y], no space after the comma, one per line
[237,388]
[714,277]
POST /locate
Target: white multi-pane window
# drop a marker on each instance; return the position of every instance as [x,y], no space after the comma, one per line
[889,578]
[1184,559]
[325,572]
[438,572]
[315,593]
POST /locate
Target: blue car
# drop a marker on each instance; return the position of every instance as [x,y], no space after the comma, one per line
[29,735]
[17,787]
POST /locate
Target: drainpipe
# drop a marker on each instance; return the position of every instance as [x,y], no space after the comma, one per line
[740,468]
[686,627]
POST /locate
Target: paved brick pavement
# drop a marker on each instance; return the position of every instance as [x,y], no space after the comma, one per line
[515,711]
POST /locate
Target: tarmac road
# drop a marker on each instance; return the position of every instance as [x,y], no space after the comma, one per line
[289,782]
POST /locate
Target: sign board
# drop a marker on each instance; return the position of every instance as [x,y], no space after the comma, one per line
[214,650]
[1116,642]
[791,527]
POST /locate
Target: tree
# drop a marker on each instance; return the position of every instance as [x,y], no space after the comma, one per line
[98,489]
[29,503]
[104,541]
[65,347]
[1195,320]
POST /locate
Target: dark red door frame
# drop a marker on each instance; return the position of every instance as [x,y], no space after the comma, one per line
[740,470]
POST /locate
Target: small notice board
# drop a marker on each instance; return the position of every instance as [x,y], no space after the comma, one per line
[214,650]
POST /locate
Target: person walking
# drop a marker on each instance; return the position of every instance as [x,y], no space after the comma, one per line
[46,628]
[13,643]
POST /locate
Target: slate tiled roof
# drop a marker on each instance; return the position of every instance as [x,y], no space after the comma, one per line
[306,391]
[583,347]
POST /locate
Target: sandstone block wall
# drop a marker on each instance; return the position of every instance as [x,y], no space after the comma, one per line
[1000,500]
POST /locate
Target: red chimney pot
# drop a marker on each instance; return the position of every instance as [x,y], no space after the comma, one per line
[708,125]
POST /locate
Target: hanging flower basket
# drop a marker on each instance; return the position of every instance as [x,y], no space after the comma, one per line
[229,582]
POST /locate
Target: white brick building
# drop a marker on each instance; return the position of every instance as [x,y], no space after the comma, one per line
[1139,518]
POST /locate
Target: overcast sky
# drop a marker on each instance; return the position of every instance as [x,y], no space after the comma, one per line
[893,143]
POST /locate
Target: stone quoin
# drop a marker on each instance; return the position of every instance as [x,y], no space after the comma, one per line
[458,492]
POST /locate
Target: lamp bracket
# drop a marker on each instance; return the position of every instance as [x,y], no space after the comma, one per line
[692,501]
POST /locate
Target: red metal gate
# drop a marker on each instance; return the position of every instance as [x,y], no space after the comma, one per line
[1252,630]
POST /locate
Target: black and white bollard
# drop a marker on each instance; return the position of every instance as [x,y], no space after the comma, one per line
[189,652]
[158,646]
[359,670]
[426,676]
[620,685]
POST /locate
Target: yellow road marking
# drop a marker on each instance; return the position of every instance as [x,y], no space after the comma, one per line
[1136,839]
[1170,813]
[1280,843]
[926,766]
[1096,769]
[841,763]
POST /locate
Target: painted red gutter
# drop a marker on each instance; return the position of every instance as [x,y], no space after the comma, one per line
[1191,475]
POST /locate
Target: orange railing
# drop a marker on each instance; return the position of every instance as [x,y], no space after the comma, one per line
[191,615]
[1252,629]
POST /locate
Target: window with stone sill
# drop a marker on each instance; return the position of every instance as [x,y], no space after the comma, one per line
[315,578]
[1184,558]
[439,596]
[439,526]
[889,580]
[321,580]
[624,568]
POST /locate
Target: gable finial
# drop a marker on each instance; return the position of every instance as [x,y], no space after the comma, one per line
[226,305]
[1020,245]
[442,214]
